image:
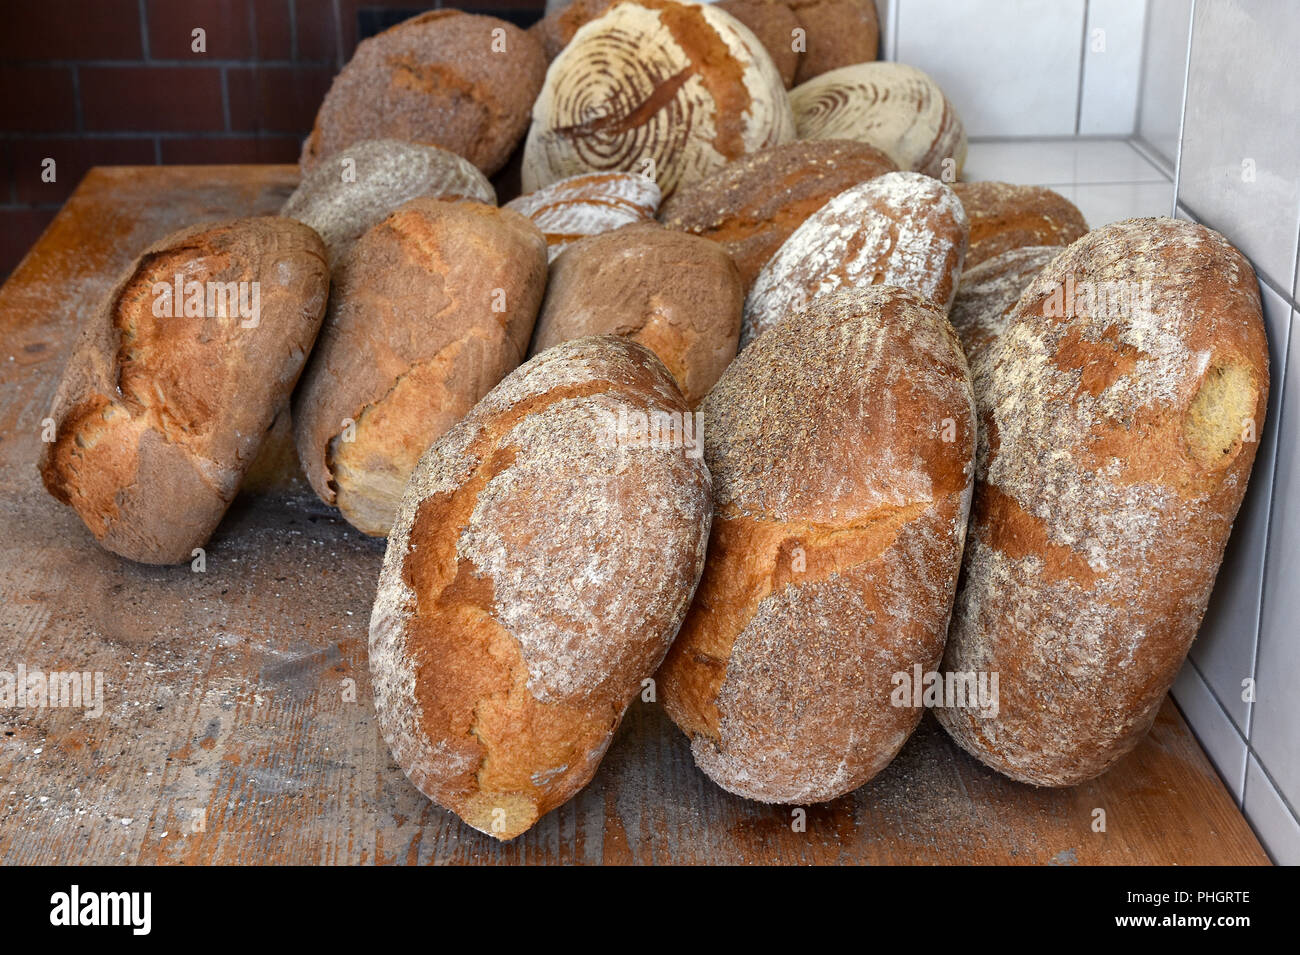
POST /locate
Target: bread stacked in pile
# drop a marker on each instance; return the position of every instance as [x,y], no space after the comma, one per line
[932,454]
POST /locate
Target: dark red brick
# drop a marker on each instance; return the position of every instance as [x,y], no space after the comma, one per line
[73,159]
[70,30]
[19,230]
[37,99]
[198,151]
[272,23]
[229,28]
[317,31]
[152,98]
[276,98]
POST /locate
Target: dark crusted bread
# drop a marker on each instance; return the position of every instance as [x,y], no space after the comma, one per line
[774,23]
[1005,216]
[988,292]
[838,33]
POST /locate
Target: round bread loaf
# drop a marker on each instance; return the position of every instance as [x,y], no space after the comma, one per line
[902,229]
[1119,411]
[841,448]
[677,294]
[539,567]
[988,292]
[774,23]
[444,78]
[177,377]
[588,204]
[430,309]
[358,187]
[1004,216]
[556,29]
[892,106]
[670,90]
[754,204]
[837,33]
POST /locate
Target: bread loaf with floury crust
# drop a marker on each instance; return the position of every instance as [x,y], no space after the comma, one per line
[430,309]
[902,229]
[1005,216]
[1119,412]
[841,446]
[358,187]
[588,204]
[176,378]
[752,205]
[988,293]
[670,90]
[542,559]
[892,106]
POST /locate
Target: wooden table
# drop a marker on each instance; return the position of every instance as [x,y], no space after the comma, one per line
[238,725]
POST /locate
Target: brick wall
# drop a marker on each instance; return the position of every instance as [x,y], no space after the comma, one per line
[116,82]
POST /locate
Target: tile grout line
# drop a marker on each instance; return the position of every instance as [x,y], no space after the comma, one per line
[1182,111]
[1245,745]
[1083,59]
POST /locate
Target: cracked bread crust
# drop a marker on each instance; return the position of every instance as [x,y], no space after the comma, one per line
[1116,441]
[534,578]
[431,308]
[839,517]
[159,416]
[1005,216]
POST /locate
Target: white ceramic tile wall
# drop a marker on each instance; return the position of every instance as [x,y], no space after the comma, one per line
[1164,70]
[1112,62]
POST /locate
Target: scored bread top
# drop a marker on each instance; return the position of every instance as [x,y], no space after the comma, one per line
[989,291]
[588,204]
[1005,216]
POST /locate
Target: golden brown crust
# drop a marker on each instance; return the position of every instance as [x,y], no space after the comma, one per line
[1005,216]
[989,291]
[774,23]
[754,204]
[839,33]
[158,416]
[431,308]
[534,578]
[445,78]
[679,295]
[841,448]
[1118,433]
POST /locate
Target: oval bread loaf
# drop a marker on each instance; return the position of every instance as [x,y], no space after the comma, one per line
[679,295]
[588,204]
[670,90]
[988,292]
[357,187]
[1119,410]
[892,106]
[539,567]
[836,33]
[841,447]
[177,377]
[902,229]
[431,308]
[754,204]
[1005,216]
[445,78]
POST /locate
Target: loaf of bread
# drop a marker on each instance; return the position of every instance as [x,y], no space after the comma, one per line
[670,90]
[1005,216]
[431,308]
[444,78]
[177,376]
[989,291]
[540,564]
[841,447]
[358,186]
[588,204]
[556,29]
[836,33]
[677,294]
[902,229]
[775,25]
[1119,412]
[754,204]
[892,106]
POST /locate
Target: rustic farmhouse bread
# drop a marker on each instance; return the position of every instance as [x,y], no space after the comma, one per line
[431,308]
[357,187]
[1119,409]
[176,378]
[841,447]
[539,567]
[445,78]
[677,294]
[774,23]
[893,106]
[670,90]
[901,229]
[838,33]
[988,292]
[753,205]
[588,204]
[1005,216]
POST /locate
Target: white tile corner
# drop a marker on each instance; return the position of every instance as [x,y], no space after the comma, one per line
[1223,744]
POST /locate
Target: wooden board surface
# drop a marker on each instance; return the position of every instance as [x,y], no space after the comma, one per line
[238,726]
